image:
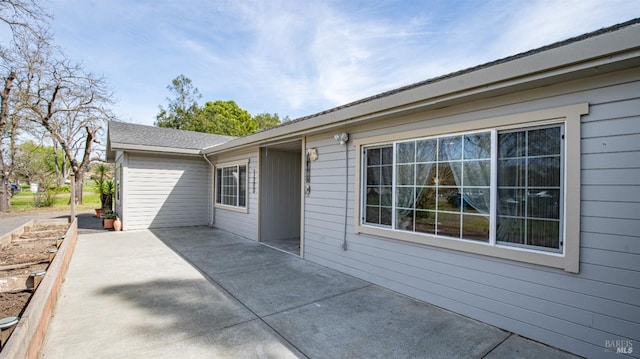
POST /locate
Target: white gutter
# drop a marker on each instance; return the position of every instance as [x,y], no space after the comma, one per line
[212,216]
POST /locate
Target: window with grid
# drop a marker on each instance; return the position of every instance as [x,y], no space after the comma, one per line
[231,184]
[498,186]
[530,187]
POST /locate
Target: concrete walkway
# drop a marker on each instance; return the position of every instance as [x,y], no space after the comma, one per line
[204,293]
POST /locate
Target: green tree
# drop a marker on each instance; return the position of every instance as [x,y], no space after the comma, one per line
[266,120]
[35,163]
[182,108]
[223,118]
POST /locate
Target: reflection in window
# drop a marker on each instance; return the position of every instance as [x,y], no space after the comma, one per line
[529,187]
[442,179]
[443,186]
[231,186]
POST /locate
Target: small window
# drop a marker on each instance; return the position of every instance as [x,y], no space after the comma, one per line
[231,186]
[379,189]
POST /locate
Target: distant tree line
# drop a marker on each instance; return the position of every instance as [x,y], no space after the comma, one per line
[217,117]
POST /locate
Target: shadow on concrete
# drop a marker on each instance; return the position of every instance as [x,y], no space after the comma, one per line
[88,223]
[205,317]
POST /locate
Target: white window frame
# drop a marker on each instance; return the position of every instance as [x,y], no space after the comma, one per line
[568,259]
[222,166]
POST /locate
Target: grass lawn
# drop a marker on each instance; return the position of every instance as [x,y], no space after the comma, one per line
[25,201]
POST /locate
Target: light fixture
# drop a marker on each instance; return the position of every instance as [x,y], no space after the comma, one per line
[342,138]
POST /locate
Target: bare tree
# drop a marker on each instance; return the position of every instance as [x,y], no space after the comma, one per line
[72,106]
[26,19]
[23,14]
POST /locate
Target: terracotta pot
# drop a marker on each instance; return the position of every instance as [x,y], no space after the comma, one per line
[108,223]
[117,224]
[99,212]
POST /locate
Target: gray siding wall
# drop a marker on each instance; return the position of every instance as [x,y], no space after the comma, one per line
[164,192]
[280,201]
[243,224]
[575,312]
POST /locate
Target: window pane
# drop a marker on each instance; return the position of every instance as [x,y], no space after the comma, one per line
[242,195]
[373,156]
[511,202]
[545,141]
[544,204]
[512,144]
[449,199]
[218,185]
[425,198]
[426,222]
[475,227]
[373,214]
[385,216]
[373,195]
[448,224]
[426,150]
[450,148]
[405,152]
[510,230]
[405,197]
[534,202]
[379,185]
[426,174]
[404,220]
[477,145]
[373,176]
[387,155]
[544,172]
[448,173]
[387,176]
[512,173]
[477,200]
[386,194]
[477,173]
[544,233]
[404,175]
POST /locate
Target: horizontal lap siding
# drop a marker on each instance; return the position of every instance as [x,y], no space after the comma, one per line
[243,224]
[165,192]
[576,312]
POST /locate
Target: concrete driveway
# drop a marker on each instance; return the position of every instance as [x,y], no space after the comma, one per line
[203,293]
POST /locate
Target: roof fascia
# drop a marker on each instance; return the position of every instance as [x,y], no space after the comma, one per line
[153,149]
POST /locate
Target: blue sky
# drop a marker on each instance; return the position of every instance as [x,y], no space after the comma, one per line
[297,58]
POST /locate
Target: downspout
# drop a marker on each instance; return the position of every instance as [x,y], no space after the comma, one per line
[212,219]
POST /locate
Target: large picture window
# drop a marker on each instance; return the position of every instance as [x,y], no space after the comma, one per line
[231,185]
[507,187]
[497,186]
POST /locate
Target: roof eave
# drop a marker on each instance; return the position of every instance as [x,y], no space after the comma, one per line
[127,147]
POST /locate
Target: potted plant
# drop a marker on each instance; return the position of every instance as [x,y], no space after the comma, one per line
[105,187]
[109,218]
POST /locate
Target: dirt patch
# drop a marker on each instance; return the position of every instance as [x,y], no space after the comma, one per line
[24,255]
[13,303]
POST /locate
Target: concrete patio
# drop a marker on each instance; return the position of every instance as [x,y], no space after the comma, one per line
[198,292]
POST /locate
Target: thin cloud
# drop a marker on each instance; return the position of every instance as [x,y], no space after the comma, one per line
[301,57]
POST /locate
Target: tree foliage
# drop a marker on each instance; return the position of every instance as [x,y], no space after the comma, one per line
[182,108]
[216,117]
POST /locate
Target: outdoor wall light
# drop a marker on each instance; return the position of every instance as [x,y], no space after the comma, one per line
[342,138]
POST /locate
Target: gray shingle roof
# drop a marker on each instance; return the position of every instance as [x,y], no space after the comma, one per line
[122,134]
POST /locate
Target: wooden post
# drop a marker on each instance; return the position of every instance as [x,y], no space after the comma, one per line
[72,200]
